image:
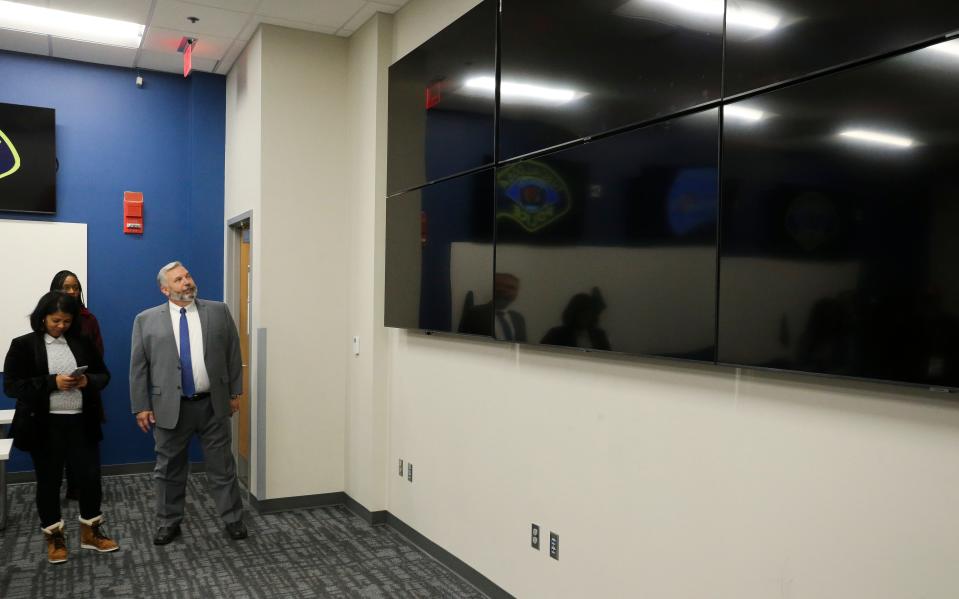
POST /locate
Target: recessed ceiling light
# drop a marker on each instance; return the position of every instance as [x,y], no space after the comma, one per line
[69,25]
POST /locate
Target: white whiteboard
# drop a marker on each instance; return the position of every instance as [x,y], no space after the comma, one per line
[31,252]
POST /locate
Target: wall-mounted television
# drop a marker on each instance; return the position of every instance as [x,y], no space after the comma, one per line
[573,68]
[839,216]
[439,256]
[768,43]
[442,101]
[611,245]
[28,159]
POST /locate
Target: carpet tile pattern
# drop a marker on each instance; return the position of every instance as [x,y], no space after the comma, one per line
[318,552]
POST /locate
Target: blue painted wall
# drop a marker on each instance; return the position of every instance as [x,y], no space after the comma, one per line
[166,140]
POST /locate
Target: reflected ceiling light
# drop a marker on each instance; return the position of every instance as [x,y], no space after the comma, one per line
[950,47]
[878,137]
[513,90]
[735,16]
[69,25]
[751,19]
[742,113]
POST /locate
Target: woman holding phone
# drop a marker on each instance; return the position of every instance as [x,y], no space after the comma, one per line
[88,326]
[57,419]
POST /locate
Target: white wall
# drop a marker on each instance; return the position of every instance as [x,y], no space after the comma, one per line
[366,417]
[667,480]
[303,271]
[287,154]
[243,191]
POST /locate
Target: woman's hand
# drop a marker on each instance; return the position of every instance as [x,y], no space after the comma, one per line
[81,381]
[66,382]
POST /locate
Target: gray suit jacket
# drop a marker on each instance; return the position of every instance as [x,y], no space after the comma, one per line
[155,361]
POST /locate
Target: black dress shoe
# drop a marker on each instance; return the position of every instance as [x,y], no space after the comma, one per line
[165,534]
[236,530]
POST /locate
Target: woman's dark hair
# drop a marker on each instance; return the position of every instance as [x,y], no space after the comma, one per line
[60,278]
[579,308]
[55,301]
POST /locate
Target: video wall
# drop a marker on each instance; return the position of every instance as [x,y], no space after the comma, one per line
[771,185]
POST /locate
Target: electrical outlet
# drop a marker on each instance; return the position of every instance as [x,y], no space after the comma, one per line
[534,537]
[401,467]
[554,545]
[409,471]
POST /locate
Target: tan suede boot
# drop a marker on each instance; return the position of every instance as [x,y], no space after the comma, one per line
[92,537]
[56,543]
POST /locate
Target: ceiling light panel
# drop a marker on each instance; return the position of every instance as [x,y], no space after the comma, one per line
[69,25]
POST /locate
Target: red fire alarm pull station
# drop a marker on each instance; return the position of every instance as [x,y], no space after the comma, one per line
[133,212]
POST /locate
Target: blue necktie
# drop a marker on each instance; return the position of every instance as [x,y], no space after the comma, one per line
[186,360]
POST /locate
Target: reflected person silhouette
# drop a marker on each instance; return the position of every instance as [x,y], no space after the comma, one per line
[494,318]
[581,323]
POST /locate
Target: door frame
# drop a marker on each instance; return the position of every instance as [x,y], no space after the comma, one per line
[235,229]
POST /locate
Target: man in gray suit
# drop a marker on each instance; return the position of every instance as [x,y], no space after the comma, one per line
[185,376]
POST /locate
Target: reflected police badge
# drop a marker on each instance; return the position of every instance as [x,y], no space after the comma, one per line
[531,194]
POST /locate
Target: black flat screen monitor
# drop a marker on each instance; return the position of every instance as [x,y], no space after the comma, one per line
[577,68]
[839,217]
[442,101]
[770,42]
[611,245]
[439,255]
[28,159]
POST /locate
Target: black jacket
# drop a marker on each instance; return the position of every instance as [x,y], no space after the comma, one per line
[26,378]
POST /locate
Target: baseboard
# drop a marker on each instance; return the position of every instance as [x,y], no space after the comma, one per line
[283,504]
[28,476]
[372,518]
[487,586]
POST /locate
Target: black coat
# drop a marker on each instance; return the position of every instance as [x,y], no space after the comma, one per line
[26,378]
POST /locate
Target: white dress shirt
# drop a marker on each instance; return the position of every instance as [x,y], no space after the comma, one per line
[201,380]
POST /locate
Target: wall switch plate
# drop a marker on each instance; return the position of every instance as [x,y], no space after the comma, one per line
[409,472]
[356,346]
[401,467]
[534,537]
[554,545]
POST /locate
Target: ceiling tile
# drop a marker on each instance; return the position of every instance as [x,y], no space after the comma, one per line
[159,61]
[250,29]
[329,13]
[226,63]
[172,14]
[135,11]
[158,39]
[386,6]
[367,11]
[17,41]
[237,5]
[98,53]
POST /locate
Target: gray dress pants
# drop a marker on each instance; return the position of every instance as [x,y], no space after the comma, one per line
[172,467]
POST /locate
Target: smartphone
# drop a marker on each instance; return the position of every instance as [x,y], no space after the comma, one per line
[80,370]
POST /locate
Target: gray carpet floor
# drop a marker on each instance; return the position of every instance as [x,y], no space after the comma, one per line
[320,552]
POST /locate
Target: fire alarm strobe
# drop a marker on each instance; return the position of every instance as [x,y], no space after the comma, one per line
[133,212]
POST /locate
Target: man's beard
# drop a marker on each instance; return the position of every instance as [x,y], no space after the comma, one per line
[186,296]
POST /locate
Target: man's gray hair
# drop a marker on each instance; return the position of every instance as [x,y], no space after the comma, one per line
[161,276]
